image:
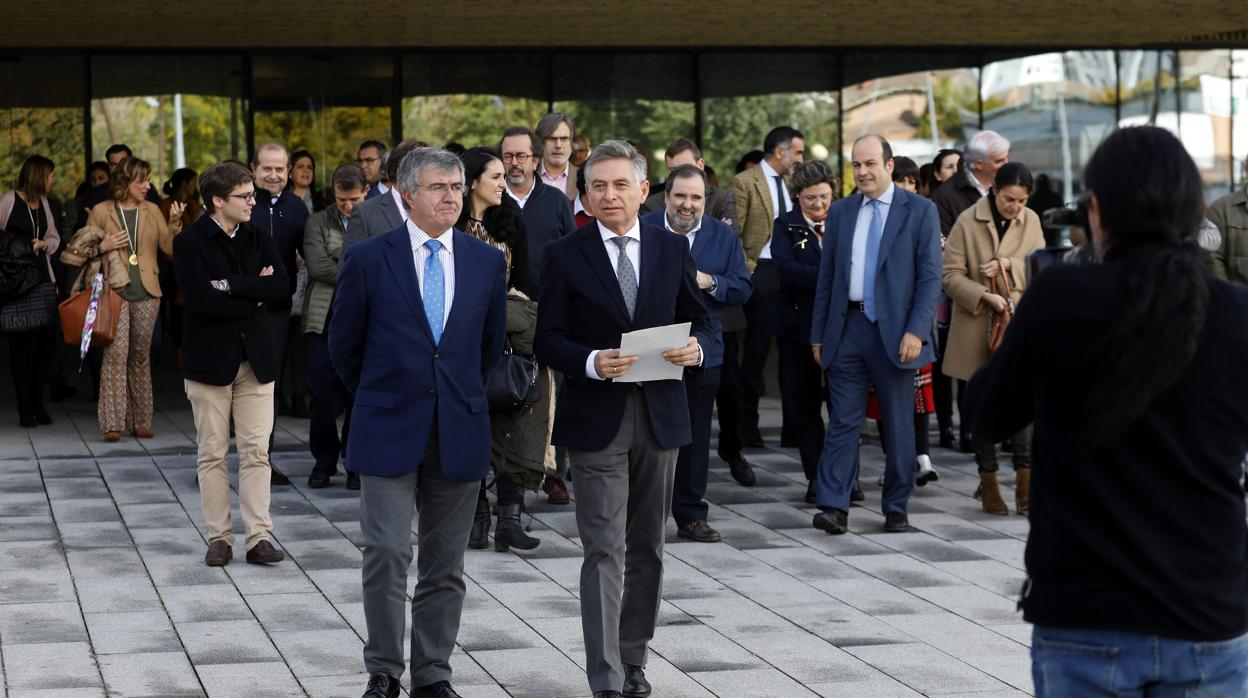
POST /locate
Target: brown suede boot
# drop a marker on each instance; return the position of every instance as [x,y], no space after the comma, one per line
[1022,490]
[990,493]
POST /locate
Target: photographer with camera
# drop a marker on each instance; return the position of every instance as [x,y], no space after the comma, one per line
[1130,370]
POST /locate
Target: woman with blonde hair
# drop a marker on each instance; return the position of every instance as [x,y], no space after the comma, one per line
[134,229]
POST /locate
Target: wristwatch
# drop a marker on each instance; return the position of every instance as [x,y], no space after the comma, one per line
[221,285]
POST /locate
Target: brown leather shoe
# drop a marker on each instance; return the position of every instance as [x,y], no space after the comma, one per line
[556,491]
[143,433]
[219,554]
[990,493]
[1022,490]
[263,553]
[112,437]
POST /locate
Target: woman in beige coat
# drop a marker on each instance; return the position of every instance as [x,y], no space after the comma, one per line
[991,238]
[134,229]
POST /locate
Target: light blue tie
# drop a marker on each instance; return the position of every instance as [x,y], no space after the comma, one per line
[435,290]
[874,232]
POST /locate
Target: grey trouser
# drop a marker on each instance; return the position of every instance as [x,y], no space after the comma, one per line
[623,495]
[445,509]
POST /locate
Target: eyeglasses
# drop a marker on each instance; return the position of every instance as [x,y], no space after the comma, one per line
[440,188]
[520,158]
[249,196]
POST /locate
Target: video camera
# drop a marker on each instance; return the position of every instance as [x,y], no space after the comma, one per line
[1066,240]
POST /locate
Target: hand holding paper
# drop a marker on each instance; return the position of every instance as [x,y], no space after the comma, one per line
[662,353]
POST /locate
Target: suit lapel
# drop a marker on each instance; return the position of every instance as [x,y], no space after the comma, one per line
[649,262]
[394,217]
[403,266]
[596,252]
[465,269]
[845,236]
[764,187]
[892,226]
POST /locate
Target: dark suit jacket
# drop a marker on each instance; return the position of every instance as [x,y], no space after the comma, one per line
[795,251]
[375,216]
[716,251]
[581,309]
[222,330]
[547,217]
[907,277]
[952,197]
[719,205]
[284,221]
[404,384]
[1098,556]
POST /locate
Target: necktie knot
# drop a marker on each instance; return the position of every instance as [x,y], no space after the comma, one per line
[434,246]
[621,241]
[875,204]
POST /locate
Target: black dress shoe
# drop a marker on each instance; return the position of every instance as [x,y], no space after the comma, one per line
[353,481]
[441,689]
[896,522]
[752,439]
[947,439]
[856,494]
[318,480]
[219,554]
[635,683]
[382,686]
[699,532]
[42,417]
[608,694]
[810,492]
[263,553]
[835,521]
[965,443]
[741,471]
[276,477]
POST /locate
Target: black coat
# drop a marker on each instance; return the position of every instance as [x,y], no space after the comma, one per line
[224,329]
[1144,533]
[953,197]
[795,251]
[285,221]
[547,217]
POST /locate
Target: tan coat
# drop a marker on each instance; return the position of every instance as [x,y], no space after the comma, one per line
[973,241]
[755,212]
[154,233]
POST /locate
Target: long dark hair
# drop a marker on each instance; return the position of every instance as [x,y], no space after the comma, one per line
[32,179]
[179,177]
[1157,210]
[501,222]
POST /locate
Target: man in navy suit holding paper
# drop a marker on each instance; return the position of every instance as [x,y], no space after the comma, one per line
[872,325]
[613,276]
[419,317]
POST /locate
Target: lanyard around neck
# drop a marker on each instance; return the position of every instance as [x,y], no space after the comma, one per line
[131,237]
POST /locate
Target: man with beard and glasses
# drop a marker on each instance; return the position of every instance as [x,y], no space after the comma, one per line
[724,281]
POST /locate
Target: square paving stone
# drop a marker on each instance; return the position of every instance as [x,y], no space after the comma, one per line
[282,578]
[27,528]
[325,554]
[42,622]
[68,467]
[182,570]
[926,669]
[773,515]
[975,603]
[23,586]
[227,642]
[806,564]
[880,685]
[953,634]
[339,686]
[113,594]
[496,630]
[541,672]
[142,493]
[241,680]
[132,632]
[77,488]
[163,675]
[875,597]
[279,612]
[24,503]
[531,600]
[103,562]
[734,616]
[108,534]
[843,626]
[84,510]
[751,683]
[50,665]
[994,576]
[901,571]
[343,585]
[805,657]
[161,515]
[694,648]
[205,602]
[320,652]
[59,693]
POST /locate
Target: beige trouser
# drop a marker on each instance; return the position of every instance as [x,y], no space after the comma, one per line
[252,404]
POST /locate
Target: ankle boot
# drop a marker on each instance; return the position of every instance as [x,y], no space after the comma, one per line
[990,493]
[479,539]
[1022,490]
[510,533]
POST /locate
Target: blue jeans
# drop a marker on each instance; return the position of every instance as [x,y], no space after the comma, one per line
[1083,663]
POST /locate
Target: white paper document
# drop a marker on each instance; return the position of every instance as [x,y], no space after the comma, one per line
[648,346]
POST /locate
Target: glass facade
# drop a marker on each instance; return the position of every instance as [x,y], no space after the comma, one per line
[193,110]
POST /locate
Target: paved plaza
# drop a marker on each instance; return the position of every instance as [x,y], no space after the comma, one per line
[103,590]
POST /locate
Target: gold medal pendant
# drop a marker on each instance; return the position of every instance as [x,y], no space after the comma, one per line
[134,260]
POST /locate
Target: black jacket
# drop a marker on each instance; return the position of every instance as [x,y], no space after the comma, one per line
[284,220]
[1144,533]
[796,253]
[953,197]
[224,329]
[547,217]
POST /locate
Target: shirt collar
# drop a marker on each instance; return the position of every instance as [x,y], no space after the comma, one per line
[420,237]
[577,206]
[562,175]
[532,189]
[886,199]
[634,232]
[667,224]
[768,172]
[811,223]
[228,233]
[975,183]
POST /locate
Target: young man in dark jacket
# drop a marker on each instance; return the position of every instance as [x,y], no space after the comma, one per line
[228,272]
[283,217]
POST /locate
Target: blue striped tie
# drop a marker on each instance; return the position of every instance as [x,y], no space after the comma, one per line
[874,233]
[435,290]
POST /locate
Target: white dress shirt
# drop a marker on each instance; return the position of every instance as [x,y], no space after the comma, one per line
[858,258]
[780,207]
[690,236]
[420,254]
[398,201]
[525,200]
[983,191]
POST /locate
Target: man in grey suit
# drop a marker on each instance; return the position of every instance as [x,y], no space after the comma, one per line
[383,213]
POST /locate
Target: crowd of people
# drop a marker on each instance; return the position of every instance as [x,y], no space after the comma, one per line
[449,321]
